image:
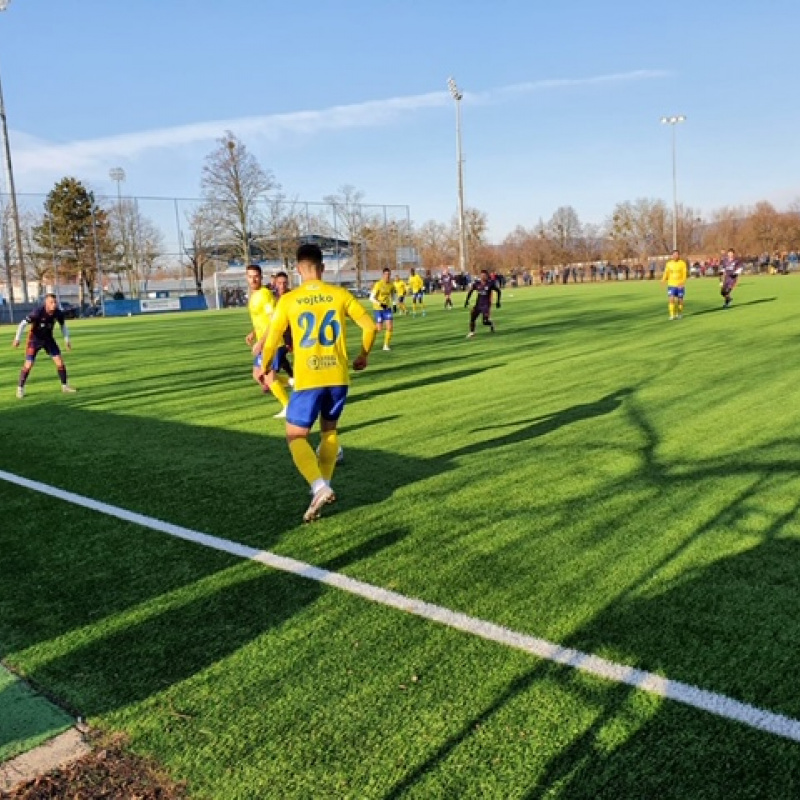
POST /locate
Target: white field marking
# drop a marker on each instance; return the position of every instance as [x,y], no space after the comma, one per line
[689,695]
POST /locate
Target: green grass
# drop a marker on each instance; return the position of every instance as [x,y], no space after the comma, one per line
[26,719]
[593,474]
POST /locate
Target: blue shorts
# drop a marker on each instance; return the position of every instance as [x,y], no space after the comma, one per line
[676,291]
[383,315]
[276,359]
[305,405]
[417,296]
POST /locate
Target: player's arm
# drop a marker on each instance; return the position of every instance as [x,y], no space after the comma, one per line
[20,328]
[65,333]
[364,321]
[497,289]
[469,294]
[272,338]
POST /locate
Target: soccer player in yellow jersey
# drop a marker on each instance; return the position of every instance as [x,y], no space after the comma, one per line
[417,286]
[317,314]
[675,272]
[381,297]
[261,305]
[400,292]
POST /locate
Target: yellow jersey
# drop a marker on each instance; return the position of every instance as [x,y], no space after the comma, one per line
[381,294]
[317,313]
[400,288]
[675,272]
[416,283]
[261,306]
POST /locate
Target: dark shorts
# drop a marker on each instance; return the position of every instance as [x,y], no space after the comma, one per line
[276,359]
[676,291]
[35,345]
[305,405]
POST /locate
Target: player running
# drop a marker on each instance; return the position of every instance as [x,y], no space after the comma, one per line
[317,313]
[483,287]
[381,297]
[417,286]
[40,337]
[675,272]
[400,292]
[729,271]
[261,305]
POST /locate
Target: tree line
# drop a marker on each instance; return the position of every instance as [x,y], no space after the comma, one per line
[244,214]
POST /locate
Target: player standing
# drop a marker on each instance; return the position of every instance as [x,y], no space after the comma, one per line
[317,314]
[448,282]
[675,272]
[261,305]
[381,297]
[42,320]
[483,288]
[417,286]
[280,285]
[730,269]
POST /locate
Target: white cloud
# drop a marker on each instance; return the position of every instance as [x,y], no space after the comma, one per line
[91,157]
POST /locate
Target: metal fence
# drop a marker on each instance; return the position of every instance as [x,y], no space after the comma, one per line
[369,236]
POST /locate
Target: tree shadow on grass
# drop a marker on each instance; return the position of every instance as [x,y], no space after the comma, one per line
[662,748]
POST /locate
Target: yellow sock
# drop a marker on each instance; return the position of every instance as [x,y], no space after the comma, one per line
[328,450]
[280,393]
[305,459]
[387,338]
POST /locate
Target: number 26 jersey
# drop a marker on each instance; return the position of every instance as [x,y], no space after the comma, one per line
[317,313]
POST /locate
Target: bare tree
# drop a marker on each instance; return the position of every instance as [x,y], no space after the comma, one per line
[435,244]
[564,231]
[232,183]
[349,221]
[203,246]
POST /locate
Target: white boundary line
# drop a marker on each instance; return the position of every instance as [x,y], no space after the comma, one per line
[689,695]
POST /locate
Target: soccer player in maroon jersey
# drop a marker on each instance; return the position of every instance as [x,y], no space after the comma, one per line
[448,282]
[483,288]
[729,271]
[40,337]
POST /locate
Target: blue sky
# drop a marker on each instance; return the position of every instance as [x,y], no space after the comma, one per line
[562,100]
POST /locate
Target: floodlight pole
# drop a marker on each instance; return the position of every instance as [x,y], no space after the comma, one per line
[672,122]
[457,95]
[117,174]
[12,191]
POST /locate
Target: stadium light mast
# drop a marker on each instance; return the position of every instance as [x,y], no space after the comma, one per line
[457,95]
[673,121]
[12,191]
[117,174]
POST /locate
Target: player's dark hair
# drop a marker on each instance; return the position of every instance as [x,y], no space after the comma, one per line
[51,294]
[253,268]
[282,274]
[310,252]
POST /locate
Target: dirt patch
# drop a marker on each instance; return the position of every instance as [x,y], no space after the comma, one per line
[109,772]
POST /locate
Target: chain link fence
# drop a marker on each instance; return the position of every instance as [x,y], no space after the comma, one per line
[185,245]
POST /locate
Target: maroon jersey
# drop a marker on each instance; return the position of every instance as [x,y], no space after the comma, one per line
[42,324]
[484,294]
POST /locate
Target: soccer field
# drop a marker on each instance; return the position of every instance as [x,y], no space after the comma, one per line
[564,562]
